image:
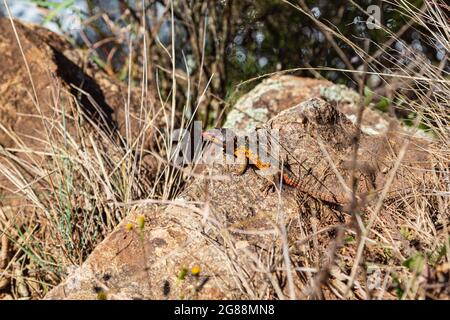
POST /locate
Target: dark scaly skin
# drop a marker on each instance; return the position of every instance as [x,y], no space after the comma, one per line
[289,178]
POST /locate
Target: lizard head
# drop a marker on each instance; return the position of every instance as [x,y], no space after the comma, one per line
[218,136]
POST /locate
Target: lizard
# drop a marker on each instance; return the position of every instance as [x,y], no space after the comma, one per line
[266,164]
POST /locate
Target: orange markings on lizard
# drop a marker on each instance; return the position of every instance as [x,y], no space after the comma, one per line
[253,157]
[289,177]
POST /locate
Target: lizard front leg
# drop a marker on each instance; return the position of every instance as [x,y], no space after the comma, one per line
[240,163]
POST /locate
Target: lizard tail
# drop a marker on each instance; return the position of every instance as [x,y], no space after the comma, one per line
[297,183]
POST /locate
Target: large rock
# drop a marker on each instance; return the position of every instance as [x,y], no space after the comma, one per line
[171,238]
[223,238]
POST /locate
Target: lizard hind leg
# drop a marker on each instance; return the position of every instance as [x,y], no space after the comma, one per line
[236,165]
[269,184]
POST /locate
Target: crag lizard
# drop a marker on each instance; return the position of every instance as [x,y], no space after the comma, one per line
[265,163]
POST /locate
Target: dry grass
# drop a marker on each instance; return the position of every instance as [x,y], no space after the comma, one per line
[73,199]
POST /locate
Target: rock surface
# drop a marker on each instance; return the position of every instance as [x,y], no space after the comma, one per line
[41,73]
[54,104]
